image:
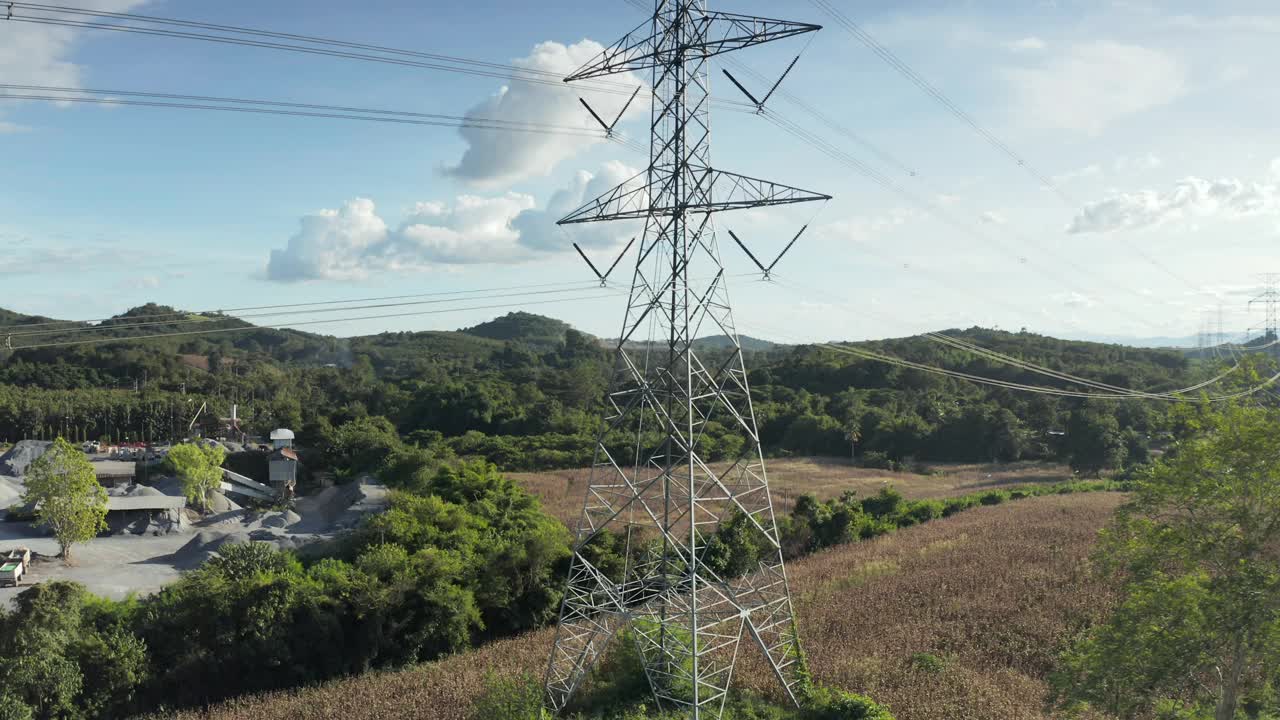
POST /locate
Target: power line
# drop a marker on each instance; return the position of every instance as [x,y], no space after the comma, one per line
[583,284]
[327,47]
[383,116]
[1021,387]
[313,311]
[227,312]
[889,57]
[988,354]
[469,67]
[824,146]
[285,326]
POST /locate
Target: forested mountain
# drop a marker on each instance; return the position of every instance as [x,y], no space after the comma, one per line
[525,391]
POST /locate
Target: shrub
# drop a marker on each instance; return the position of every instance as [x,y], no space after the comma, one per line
[518,698]
[928,663]
[877,460]
[888,503]
[925,510]
[951,506]
[833,704]
[994,497]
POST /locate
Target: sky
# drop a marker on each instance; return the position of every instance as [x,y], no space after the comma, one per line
[1153,123]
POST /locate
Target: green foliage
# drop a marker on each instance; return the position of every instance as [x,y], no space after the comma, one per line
[66,494]
[1199,618]
[493,524]
[1094,441]
[200,469]
[463,555]
[516,698]
[833,704]
[63,656]
[813,525]
[525,392]
[928,663]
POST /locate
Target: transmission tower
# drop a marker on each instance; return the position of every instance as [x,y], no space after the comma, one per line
[1269,299]
[652,481]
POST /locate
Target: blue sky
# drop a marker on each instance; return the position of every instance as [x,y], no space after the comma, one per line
[1156,121]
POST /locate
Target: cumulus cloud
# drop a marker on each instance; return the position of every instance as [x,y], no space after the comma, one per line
[355,242]
[1092,85]
[1190,198]
[538,229]
[494,158]
[330,244]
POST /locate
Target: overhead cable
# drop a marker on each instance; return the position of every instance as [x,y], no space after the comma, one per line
[895,62]
[251,328]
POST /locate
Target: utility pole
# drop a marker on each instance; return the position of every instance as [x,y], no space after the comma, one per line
[651,478]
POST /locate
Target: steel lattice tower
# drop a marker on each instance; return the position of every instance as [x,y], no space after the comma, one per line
[650,482]
[1269,298]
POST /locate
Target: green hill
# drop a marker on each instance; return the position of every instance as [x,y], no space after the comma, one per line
[522,327]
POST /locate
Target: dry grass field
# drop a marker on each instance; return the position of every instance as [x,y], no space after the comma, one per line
[562,491]
[993,592]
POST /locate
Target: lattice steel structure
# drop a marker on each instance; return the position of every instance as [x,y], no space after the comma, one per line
[1269,299]
[651,482]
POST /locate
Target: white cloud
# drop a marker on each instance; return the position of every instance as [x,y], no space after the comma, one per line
[1191,197]
[355,242]
[991,217]
[1093,85]
[495,158]
[538,229]
[1026,44]
[41,54]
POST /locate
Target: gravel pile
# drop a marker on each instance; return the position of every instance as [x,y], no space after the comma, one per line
[21,455]
[11,490]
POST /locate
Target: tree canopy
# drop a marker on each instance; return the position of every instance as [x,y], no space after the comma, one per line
[1198,552]
[67,497]
[200,469]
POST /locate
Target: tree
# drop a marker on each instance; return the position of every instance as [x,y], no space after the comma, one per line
[66,495]
[1093,441]
[200,469]
[1198,549]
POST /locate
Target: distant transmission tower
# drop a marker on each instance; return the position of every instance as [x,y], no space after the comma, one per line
[653,482]
[1269,299]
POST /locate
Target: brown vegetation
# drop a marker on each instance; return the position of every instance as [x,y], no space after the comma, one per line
[562,491]
[991,593]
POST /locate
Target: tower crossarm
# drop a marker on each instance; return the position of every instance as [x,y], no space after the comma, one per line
[720,32]
[731,191]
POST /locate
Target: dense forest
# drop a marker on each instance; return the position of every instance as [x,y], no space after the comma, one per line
[524,391]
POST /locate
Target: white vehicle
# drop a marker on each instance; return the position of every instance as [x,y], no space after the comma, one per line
[13,566]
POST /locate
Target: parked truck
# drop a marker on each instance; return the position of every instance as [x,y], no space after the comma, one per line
[13,566]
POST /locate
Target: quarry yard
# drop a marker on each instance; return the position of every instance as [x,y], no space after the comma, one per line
[145,550]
